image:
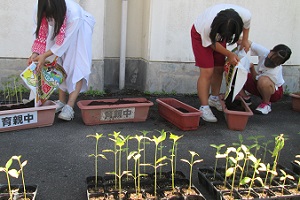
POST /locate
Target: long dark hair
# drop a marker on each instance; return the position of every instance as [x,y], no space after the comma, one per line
[55,9]
[228,25]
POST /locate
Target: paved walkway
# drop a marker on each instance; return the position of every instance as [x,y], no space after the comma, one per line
[58,160]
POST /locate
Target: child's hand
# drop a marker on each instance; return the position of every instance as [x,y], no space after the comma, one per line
[40,60]
[245,44]
[233,59]
[30,59]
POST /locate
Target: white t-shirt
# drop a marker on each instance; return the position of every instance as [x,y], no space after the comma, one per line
[275,74]
[204,21]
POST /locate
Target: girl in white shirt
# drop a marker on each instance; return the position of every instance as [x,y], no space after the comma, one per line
[216,26]
[64,29]
[266,80]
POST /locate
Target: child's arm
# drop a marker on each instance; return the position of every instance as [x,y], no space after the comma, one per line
[232,57]
[245,44]
[253,71]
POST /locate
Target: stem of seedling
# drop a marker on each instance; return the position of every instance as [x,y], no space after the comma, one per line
[175,138]
[279,144]
[218,148]
[144,146]
[191,163]
[283,178]
[9,172]
[96,155]
[22,165]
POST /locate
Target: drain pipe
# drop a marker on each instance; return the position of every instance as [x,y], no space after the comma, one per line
[123,44]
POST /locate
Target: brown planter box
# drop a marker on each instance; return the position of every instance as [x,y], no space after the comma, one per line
[171,110]
[26,118]
[114,113]
[236,120]
[295,101]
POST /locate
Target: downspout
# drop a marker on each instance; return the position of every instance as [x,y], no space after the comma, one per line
[123,44]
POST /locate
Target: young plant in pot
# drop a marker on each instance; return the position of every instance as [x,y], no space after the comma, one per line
[94,181]
[157,161]
[191,191]
[279,144]
[17,191]
[218,155]
[136,156]
[119,143]
[257,167]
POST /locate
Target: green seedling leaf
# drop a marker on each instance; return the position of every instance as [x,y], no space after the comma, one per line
[221,155]
[8,163]
[229,171]
[161,159]
[13,173]
[245,180]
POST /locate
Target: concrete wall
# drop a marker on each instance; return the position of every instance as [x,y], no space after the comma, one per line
[159,54]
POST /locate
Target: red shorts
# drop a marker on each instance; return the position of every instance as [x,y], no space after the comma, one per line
[206,57]
[251,87]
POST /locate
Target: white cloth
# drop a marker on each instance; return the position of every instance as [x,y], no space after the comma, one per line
[75,53]
[204,20]
[275,74]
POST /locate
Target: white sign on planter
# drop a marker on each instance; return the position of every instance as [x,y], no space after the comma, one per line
[117,114]
[18,119]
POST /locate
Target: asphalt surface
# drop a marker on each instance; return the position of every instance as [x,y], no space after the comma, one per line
[58,155]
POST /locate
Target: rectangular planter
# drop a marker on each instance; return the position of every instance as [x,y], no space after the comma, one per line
[26,118]
[110,112]
[236,120]
[295,101]
[172,110]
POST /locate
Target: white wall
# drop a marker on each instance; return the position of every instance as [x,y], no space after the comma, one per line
[158,30]
[16,32]
[273,22]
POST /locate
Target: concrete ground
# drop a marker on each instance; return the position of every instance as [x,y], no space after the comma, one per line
[58,155]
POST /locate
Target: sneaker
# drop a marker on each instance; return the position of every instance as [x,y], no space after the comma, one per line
[67,113]
[59,106]
[263,108]
[207,115]
[248,101]
[215,103]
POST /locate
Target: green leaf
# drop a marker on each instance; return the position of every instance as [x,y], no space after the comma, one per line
[24,163]
[102,156]
[161,159]
[245,180]
[229,171]
[13,173]
[175,137]
[197,161]
[8,163]
[221,155]
[184,160]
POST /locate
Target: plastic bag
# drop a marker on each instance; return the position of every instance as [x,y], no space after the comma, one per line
[44,83]
[236,76]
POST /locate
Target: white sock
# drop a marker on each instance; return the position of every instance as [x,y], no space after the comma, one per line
[203,107]
[214,98]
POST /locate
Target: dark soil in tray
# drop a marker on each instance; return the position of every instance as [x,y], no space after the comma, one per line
[120,101]
[17,106]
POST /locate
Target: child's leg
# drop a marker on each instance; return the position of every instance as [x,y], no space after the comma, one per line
[266,88]
[203,84]
[62,96]
[216,81]
[73,96]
